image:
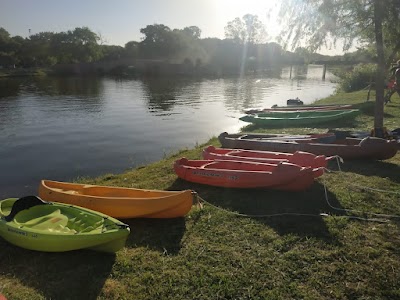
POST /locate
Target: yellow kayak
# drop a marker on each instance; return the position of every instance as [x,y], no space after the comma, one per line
[31,223]
[118,202]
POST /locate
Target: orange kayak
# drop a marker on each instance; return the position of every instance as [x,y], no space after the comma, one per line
[300,158]
[118,202]
[241,174]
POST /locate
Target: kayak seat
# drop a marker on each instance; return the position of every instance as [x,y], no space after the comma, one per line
[53,221]
[66,191]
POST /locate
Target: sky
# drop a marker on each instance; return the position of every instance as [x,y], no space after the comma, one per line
[119,21]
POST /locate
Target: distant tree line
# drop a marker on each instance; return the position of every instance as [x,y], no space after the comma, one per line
[242,49]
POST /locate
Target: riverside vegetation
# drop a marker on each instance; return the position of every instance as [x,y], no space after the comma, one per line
[217,253]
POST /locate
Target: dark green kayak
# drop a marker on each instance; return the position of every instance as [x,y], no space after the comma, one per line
[298,118]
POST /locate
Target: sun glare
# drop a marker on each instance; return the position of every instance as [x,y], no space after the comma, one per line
[266,11]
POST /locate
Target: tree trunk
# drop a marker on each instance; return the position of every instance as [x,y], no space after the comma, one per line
[380,73]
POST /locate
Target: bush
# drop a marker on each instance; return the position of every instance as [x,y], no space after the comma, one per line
[39,72]
[357,79]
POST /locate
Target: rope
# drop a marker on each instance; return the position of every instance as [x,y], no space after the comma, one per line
[373,189]
[338,160]
[260,216]
[287,214]
[353,210]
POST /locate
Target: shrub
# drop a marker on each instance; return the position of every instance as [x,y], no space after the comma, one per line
[358,78]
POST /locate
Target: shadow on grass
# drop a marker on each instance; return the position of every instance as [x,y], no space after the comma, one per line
[373,168]
[256,202]
[68,275]
[368,109]
[393,103]
[157,234]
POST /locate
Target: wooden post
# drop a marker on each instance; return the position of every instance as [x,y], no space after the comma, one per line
[324,72]
[369,91]
[370,86]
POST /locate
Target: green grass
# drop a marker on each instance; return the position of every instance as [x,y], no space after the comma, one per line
[214,253]
[24,72]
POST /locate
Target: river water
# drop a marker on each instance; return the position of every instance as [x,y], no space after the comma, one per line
[64,128]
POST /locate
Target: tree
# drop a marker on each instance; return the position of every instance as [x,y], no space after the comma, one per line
[249,30]
[321,23]
[84,44]
[79,45]
[111,52]
[132,49]
[158,41]
[303,53]
[62,47]
[224,56]
[4,34]
[9,48]
[4,40]
[188,44]
[38,48]
[83,36]
[192,31]
[246,32]
[163,43]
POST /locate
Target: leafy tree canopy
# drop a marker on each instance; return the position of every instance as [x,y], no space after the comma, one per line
[4,35]
[368,21]
[249,29]
[322,23]
[84,36]
[156,33]
[192,31]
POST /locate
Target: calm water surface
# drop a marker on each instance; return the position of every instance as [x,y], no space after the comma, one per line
[63,128]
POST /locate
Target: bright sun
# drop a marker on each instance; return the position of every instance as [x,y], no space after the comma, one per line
[265,10]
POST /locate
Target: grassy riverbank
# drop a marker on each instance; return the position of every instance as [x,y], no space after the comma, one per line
[214,253]
[19,72]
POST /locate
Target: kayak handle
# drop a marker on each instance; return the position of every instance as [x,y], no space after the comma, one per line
[123,226]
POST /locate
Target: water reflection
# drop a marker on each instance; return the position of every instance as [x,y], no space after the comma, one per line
[245,92]
[300,72]
[9,109]
[74,96]
[163,94]
[9,88]
[62,128]
[260,91]
[83,87]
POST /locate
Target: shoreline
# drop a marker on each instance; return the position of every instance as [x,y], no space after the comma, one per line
[323,243]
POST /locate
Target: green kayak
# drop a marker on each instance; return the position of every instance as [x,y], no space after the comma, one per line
[34,224]
[296,118]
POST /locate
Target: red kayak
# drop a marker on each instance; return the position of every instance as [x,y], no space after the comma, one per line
[300,158]
[370,148]
[240,174]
